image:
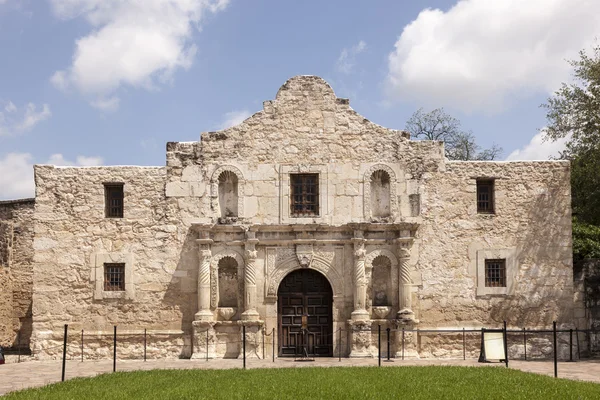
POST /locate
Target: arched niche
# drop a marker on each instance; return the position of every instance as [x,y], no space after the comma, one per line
[381,267]
[229,259]
[227,191]
[380,198]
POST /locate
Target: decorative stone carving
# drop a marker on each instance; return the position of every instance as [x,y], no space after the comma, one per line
[251,254]
[204,313]
[227,312]
[214,187]
[282,261]
[367,191]
[360,284]
[405,313]
[381,311]
[304,254]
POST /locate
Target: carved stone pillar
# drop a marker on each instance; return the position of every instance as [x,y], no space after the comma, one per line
[405,313]
[250,313]
[204,312]
[360,282]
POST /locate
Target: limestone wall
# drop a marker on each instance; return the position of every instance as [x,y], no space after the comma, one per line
[16,256]
[531,227]
[73,238]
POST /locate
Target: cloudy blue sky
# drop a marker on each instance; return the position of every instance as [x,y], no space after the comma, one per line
[89,82]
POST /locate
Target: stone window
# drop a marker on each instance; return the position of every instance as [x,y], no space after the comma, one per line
[380,194]
[113,200]
[495,273]
[485,196]
[228,282]
[228,194]
[304,195]
[495,270]
[114,277]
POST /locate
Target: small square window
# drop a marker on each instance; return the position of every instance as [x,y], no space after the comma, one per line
[495,273]
[114,277]
[485,196]
[113,193]
[304,195]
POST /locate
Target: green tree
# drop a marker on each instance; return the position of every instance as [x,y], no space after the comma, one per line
[458,144]
[573,112]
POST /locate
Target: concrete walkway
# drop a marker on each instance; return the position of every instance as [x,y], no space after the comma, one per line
[16,376]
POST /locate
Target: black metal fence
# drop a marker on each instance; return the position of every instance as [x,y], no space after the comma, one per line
[387,344]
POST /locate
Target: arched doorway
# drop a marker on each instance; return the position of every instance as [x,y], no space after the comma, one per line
[305,292]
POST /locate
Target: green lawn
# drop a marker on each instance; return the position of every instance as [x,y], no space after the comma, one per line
[319,383]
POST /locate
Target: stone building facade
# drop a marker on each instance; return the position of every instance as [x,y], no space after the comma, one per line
[307,218]
[16,270]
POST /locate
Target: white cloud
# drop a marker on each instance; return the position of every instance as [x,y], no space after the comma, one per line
[347,58]
[16,172]
[481,54]
[110,104]
[233,118]
[132,43]
[14,122]
[539,149]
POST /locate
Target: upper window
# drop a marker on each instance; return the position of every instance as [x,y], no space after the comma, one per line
[113,193]
[114,277]
[485,196]
[305,195]
[495,273]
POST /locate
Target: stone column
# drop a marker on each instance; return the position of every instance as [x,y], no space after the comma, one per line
[405,313]
[360,283]
[204,312]
[250,313]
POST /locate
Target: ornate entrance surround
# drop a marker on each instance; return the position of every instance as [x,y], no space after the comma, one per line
[343,254]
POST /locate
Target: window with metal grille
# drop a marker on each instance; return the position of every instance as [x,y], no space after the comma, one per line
[485,196]
[113,193]
[305,195]
[495,273]
[114,277]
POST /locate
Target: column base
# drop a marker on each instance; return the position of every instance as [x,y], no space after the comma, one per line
[406,316]
[360,339]
[250,315]
[410,345]
[204,343]
[204,316]
[254,347]
[359,315]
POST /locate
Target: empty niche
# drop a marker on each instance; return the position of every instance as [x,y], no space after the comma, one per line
[228,194]
[380,194]
[381,287]
[228,282]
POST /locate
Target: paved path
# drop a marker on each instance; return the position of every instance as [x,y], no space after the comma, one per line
[16,376]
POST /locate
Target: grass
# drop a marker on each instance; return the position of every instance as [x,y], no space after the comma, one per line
[431,382]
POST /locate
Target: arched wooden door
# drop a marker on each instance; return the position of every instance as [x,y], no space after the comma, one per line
[305,292]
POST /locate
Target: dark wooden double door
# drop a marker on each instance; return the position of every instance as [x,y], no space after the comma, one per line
[305,292]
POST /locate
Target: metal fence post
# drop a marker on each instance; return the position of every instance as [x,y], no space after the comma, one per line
[339,344]
[525,342]
[505,344]
[263,334]
[388,343]
[19,345]
[82,345]
[145,342]
[243,343]
[64,352]
[402,344]
[555,350]
[464,346]
[206,344]
[577,339]
[273,343]
[570,344]
[379,345]
[115,350]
